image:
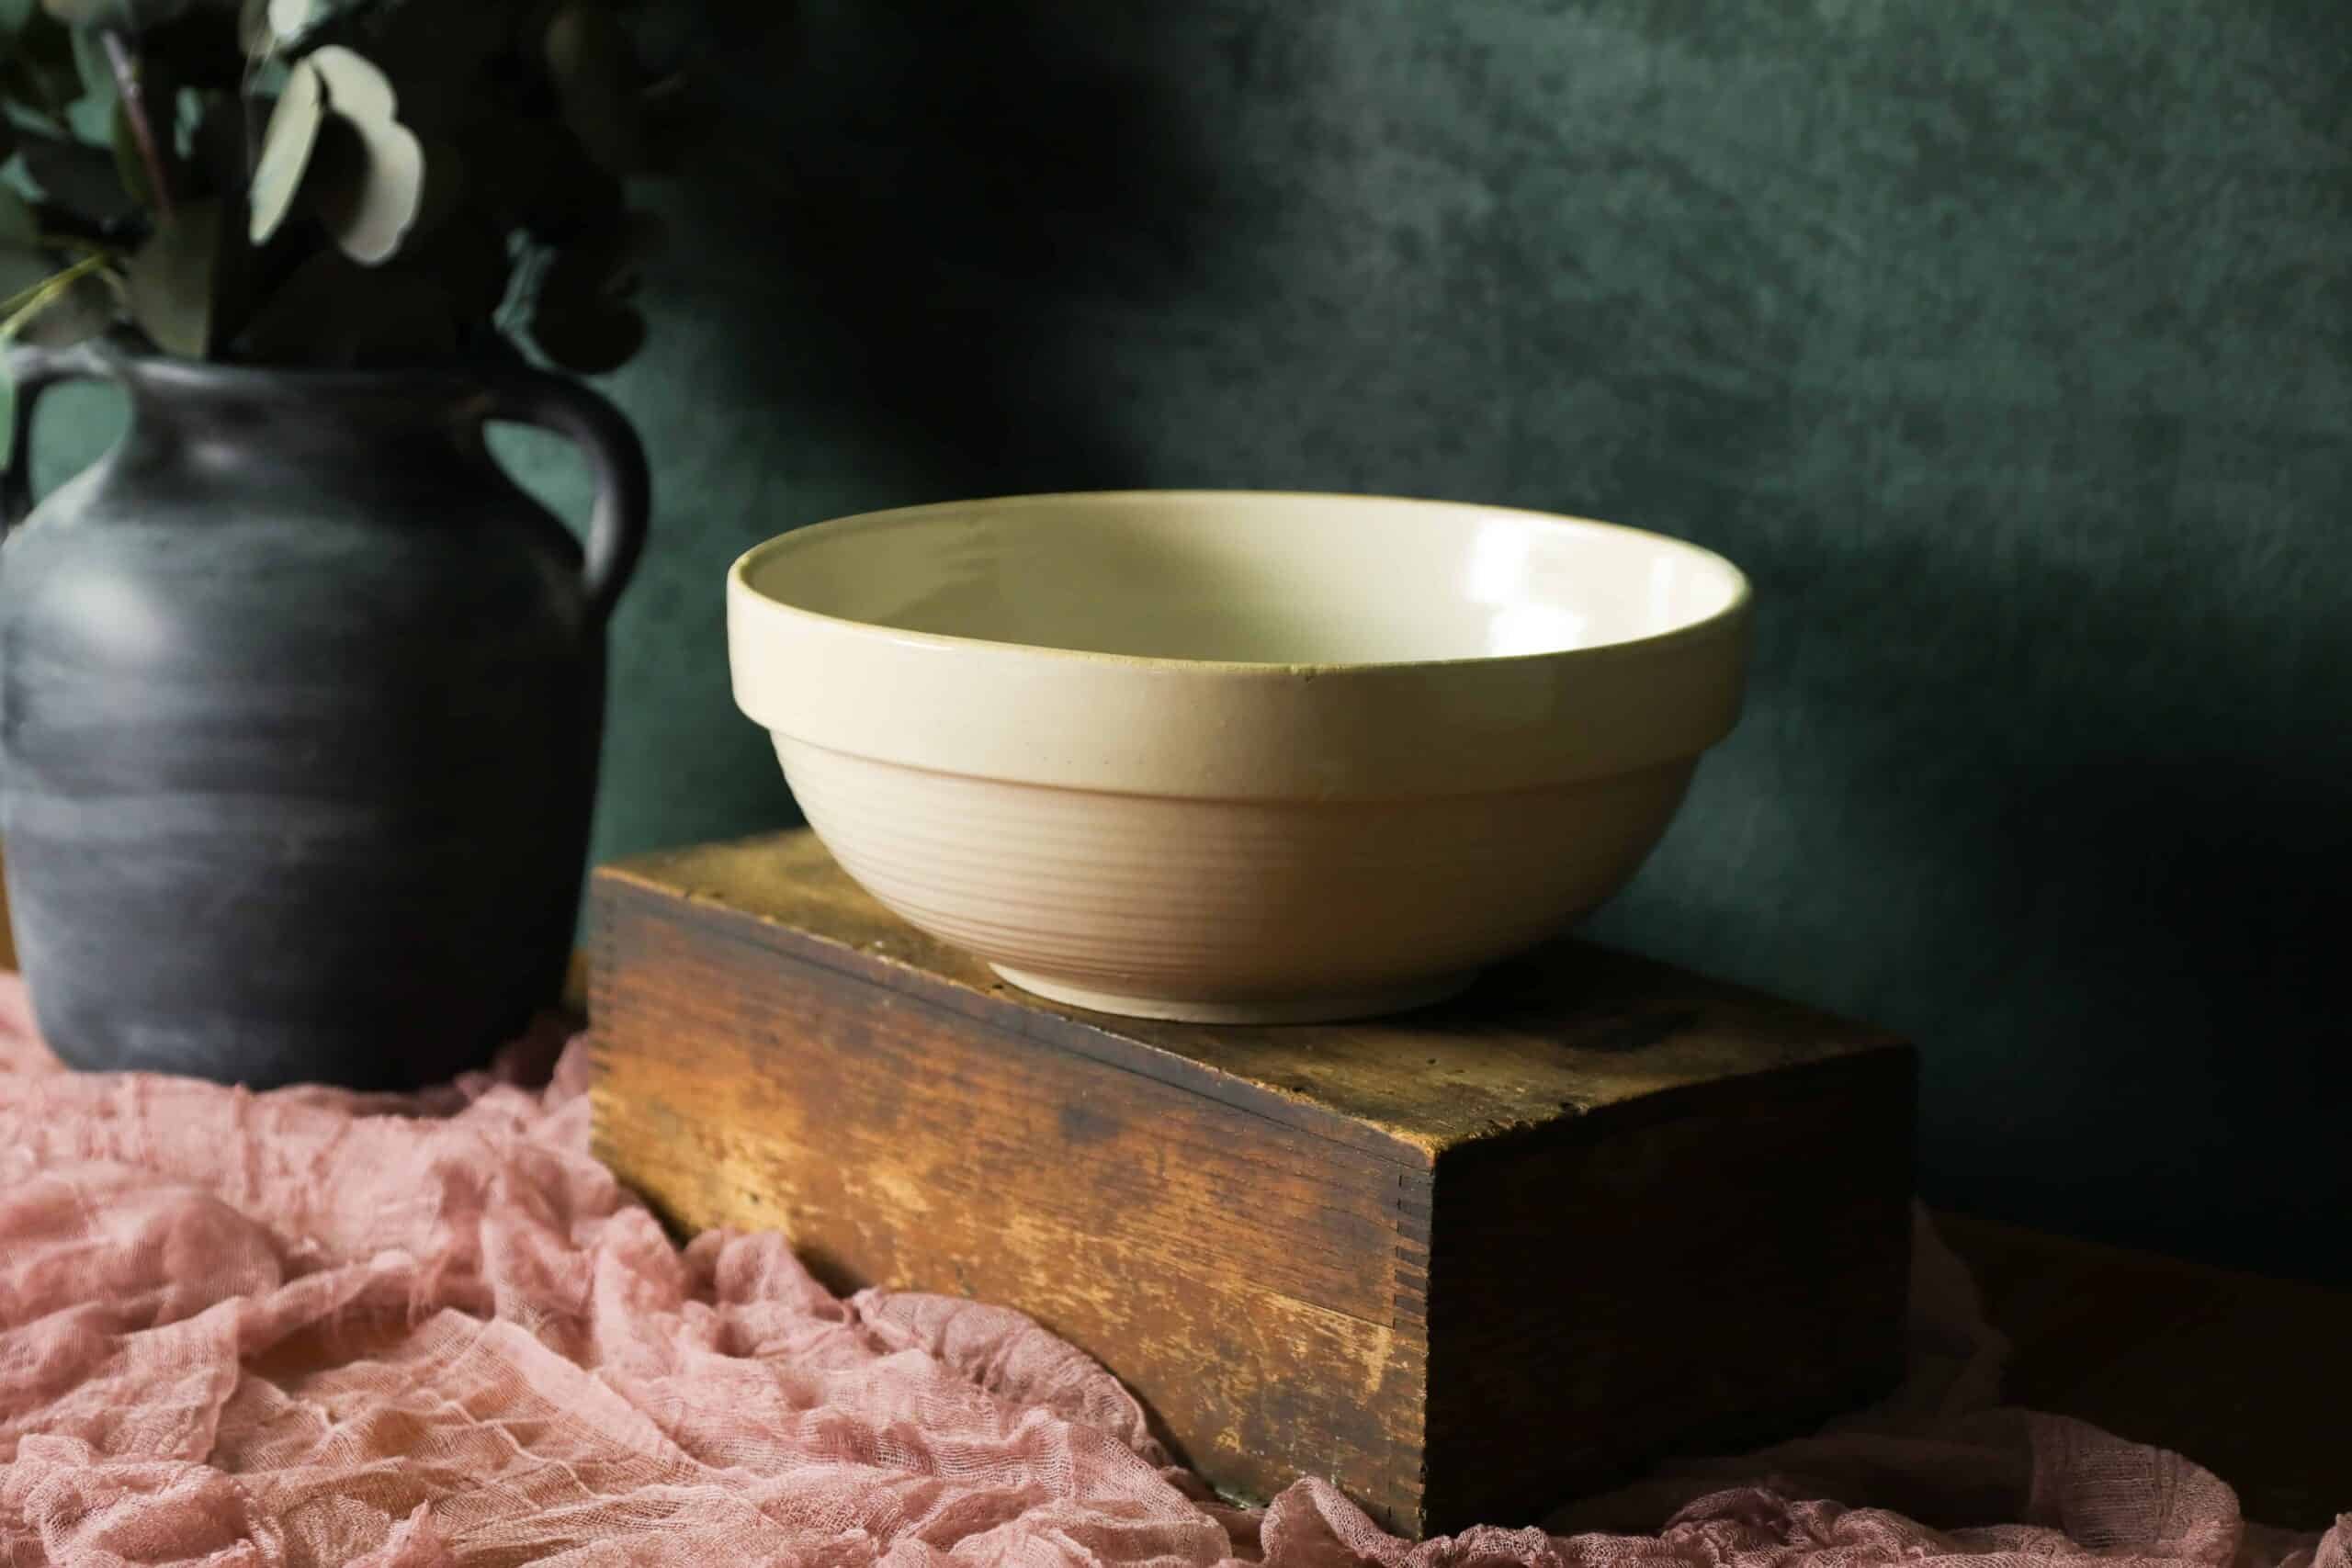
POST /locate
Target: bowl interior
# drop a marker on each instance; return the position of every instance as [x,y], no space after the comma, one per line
[1248,578]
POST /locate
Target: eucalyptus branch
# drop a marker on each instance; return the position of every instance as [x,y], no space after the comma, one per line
[25,304]
[135,109]
[303,219]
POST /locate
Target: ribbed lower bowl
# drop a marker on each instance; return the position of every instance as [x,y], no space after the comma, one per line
[1228,912]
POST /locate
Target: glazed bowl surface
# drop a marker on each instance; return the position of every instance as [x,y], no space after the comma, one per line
[1232,756]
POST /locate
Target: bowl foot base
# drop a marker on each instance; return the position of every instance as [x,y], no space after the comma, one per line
[1280,1009]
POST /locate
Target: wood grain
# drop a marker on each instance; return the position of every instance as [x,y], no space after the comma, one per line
[1671,1271]
[1388,1253]
[895,1151]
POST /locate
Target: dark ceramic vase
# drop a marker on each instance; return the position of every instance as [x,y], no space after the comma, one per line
[300,706]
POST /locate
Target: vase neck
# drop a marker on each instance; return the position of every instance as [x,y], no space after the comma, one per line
[323,421]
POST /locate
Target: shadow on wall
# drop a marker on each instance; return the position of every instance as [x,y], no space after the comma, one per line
[928,199]
[880,291]
[2098,887]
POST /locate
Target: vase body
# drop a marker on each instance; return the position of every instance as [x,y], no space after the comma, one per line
[300,698]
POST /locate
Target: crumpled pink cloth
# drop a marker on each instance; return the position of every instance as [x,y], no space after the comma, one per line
[316,1327]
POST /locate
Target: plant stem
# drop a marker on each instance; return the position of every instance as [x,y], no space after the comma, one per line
[18,308]
[135,109]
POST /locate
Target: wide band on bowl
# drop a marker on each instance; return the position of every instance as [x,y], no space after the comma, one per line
[1210,729]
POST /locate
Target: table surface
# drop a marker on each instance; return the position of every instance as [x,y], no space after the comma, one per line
[2251,1377]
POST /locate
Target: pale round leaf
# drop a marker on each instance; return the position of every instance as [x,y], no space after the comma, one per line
[370,215]
[355,87]
[371,212]
[285,150]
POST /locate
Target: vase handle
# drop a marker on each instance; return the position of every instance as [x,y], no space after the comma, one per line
[624,487]
[34,370]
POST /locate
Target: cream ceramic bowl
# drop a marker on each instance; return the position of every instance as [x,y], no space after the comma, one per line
[1237,757]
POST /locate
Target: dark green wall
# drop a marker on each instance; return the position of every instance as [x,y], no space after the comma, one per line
[2005,344]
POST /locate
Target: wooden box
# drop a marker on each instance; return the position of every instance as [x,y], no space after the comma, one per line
[1466,1263]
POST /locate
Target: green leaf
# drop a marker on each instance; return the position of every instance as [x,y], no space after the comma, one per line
[37,68]
[126,15]
[584,317]
[87,308]
[77,177]
[286,148]
[589,58]
[19,228]
[172,285]
[14,14]
[24,268]
[90,64]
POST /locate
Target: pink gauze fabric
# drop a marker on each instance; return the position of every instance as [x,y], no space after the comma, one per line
[314,1327]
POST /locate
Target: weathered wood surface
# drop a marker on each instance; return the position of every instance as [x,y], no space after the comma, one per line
[1458,1261]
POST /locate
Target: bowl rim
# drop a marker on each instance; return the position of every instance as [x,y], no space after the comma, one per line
[1233,730]
[1730,617]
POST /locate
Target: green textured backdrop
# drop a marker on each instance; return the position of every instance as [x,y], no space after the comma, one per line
[2007,345]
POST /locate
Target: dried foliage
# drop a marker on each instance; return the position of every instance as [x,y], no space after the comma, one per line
[340,183]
